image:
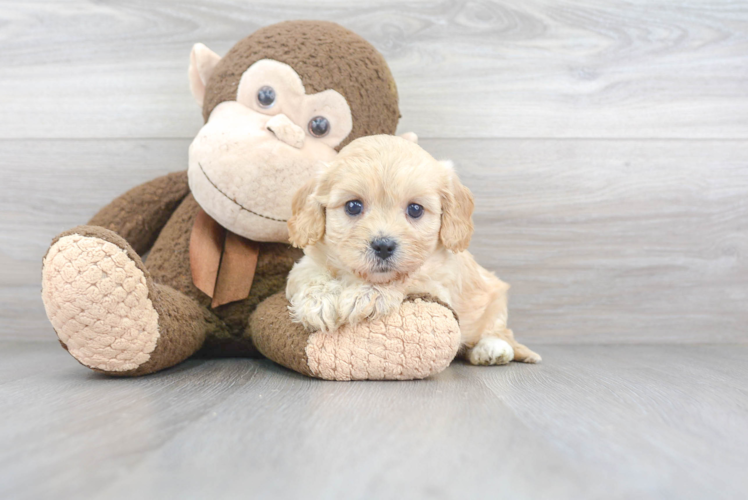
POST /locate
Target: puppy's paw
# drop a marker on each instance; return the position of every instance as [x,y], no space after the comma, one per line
[315,315]
[366,302]
[316,308]
[525,355]
[491,351]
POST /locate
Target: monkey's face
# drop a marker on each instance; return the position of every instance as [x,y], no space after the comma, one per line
[254,153]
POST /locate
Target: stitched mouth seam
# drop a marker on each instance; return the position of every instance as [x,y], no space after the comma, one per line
[234,201]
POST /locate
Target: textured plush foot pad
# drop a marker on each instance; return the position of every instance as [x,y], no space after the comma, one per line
[97,300]
[419,340]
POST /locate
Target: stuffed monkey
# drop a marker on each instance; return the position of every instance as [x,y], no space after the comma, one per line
[277,105]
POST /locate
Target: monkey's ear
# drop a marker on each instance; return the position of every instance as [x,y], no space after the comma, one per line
[457,213]
[410,136]
[307,224]
[202,63]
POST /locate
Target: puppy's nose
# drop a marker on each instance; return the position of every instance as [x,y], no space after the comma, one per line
[383,247]
[286,130]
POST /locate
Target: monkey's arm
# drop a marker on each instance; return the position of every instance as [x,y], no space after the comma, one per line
[139,214]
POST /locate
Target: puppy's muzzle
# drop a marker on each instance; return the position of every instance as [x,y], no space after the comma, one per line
[383,247]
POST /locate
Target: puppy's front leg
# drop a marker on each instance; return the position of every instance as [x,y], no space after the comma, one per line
[363,301]
[313,295]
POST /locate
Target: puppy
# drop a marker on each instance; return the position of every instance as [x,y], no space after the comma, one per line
[385,220]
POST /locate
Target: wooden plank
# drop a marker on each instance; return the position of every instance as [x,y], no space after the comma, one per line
[613,241]
[671,418]
[590,422]
[277,424]
[51,186]
[464,69]
[602,240]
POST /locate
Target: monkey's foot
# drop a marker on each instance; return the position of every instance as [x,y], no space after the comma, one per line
[418,340]
[96,295]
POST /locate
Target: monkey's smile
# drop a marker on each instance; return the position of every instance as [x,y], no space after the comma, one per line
[236,202]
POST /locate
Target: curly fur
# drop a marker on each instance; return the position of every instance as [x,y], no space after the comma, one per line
[341,281]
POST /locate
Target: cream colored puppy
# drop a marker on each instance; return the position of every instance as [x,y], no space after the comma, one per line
[385,220]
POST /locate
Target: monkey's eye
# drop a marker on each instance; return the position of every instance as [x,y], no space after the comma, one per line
[266,97]
[354,207]
[415,210]
[319,126]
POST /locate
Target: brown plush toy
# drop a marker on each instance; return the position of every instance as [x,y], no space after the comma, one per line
[281,102]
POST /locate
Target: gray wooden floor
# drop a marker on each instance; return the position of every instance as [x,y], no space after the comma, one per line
[656,421]
[607,145]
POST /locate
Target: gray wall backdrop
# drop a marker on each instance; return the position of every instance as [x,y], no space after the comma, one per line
[606,142]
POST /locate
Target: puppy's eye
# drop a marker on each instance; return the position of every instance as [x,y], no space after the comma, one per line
[354,207]
[319,126]
[415,210]
[266,97]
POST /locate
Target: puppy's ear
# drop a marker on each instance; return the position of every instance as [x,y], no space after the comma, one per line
[307,224]
[457,213]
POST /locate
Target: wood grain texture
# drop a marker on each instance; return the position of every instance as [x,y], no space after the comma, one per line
[50,186]
[603,240]
[606,144]
[472,69]
[665,422]
[613,241]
